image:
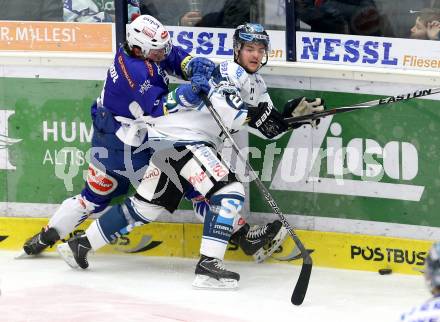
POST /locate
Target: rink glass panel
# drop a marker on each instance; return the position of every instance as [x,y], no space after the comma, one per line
[381,18]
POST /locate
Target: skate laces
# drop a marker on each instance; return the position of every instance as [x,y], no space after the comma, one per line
[257,231]
[220,265]
[217,263]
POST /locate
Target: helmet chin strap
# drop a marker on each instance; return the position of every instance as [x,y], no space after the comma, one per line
[265,62]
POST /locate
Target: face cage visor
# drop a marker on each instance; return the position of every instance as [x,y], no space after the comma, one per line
[166,48]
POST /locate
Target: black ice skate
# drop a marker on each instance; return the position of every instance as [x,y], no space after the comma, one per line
[74,251]
[212,273]
[261,241]
[47,237]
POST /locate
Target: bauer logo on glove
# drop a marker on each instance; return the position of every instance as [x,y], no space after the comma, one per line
[267,120]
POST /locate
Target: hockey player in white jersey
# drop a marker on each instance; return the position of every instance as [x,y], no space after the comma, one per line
[186,154]
[144,61]
[428,311]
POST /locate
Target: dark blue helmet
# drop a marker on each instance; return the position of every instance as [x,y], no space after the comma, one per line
[432,268]
[250,32]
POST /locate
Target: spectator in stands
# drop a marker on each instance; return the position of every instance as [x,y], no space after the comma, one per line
[231,15]
[320,17]
[31,10]
[96,11]
[86,11]
[401,17]
[360,17]
[427,25]
[181,12]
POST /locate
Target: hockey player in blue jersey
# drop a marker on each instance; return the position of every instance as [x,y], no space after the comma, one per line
[240,96]
[136,86]
[428,311]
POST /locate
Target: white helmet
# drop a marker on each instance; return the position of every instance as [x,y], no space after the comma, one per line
[147,33]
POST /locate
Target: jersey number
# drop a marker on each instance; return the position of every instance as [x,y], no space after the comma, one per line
[234,101]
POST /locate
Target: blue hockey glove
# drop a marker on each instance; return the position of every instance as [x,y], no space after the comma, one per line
[186,96]
[200,83]
[200,66]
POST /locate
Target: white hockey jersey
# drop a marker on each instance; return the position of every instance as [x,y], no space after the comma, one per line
[427,312]
[230,86]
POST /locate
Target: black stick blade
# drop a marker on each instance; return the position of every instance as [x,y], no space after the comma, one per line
[302,284]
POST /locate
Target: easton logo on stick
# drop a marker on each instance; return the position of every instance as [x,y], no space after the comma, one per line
[397,98]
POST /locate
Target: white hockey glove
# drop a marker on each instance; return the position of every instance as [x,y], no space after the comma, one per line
[132,132]
[303,106]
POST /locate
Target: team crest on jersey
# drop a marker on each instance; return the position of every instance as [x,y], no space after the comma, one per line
[145,87]
[99,182]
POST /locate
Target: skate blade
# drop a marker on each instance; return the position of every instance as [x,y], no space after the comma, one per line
[24,255]
[203,282]
[67,255]
[262,254]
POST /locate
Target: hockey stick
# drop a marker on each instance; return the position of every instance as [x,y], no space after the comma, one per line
[303,281]
[378,102]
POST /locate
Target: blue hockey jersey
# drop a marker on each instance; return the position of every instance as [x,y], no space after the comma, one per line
[426,312]
[136,87]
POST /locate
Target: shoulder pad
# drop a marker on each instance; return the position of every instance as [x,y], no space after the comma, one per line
[234,73]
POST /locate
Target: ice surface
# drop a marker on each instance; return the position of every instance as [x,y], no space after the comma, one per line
[138,288]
